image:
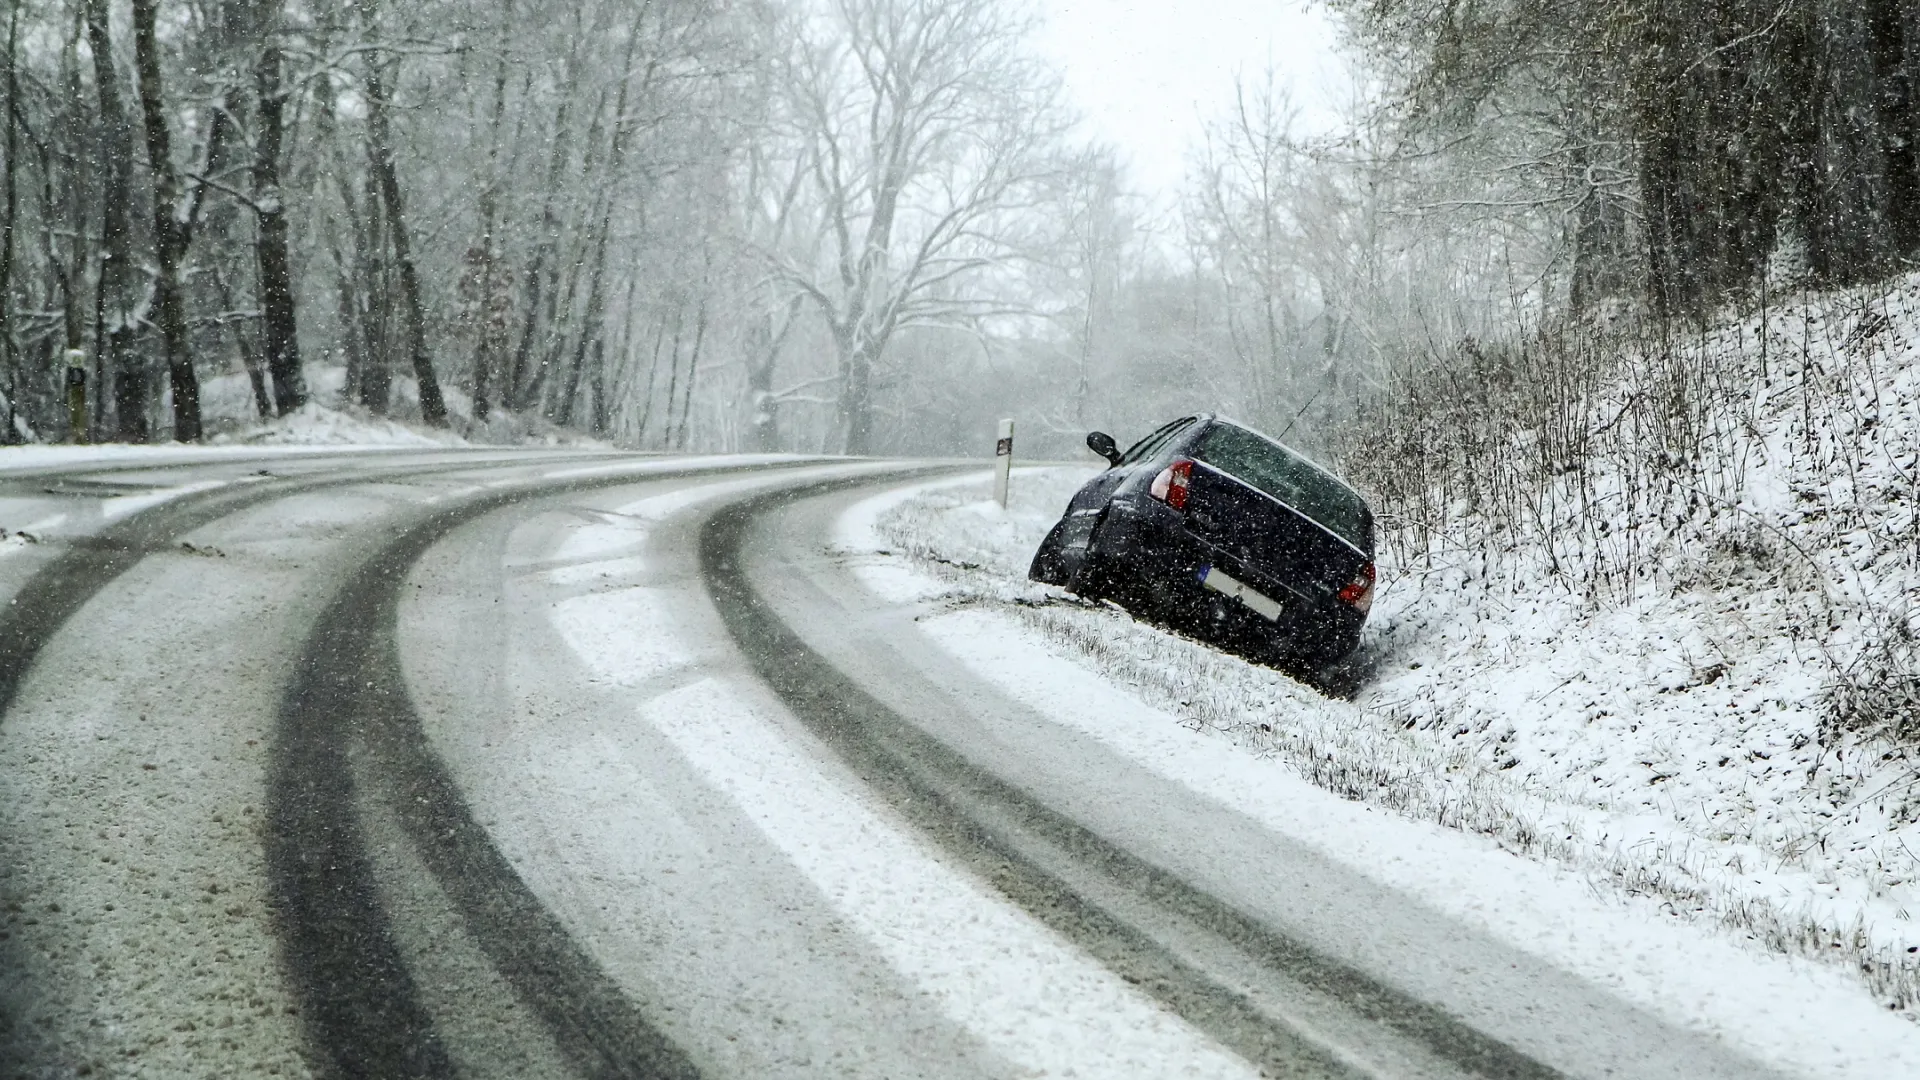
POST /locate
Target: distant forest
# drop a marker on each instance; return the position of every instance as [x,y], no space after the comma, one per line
[872,226]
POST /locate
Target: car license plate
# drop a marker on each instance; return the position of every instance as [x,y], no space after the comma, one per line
[1221,582]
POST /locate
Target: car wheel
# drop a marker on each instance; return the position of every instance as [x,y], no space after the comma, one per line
[1046,567]
[1325,666]
[1093,579]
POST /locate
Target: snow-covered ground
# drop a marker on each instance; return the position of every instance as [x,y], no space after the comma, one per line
[1659,753]
[1701,630]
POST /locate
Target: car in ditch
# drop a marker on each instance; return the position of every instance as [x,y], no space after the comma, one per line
[1223,532]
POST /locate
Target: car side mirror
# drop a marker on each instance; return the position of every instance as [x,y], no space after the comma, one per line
[1102,443]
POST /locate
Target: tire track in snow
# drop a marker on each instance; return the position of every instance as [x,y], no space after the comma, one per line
[347,717]
[964,810]
[49,599]
[72,603]
[91,562]
[946,942]
[358,997]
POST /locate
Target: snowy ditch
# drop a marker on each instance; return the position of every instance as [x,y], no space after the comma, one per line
[1656,754]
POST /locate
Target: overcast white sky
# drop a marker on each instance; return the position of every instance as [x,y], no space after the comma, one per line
[1148,73]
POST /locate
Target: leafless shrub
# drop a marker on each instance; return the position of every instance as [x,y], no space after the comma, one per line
[1878,694]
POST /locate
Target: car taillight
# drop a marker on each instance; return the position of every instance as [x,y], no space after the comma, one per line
[1359,591]
[1170,486]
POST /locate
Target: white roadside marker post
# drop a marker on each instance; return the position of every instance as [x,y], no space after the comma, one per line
[1002,463]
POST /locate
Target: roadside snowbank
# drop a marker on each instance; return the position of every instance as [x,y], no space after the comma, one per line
[1682,593]
[36,457]
[231,416]
[1609,743]
[314,424]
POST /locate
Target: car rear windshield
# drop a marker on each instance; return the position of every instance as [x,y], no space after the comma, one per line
[1290,478]
[1151,445]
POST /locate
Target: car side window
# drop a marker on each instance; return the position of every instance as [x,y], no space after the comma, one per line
[1151,445]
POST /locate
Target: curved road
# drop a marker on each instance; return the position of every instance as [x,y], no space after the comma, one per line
[526,764]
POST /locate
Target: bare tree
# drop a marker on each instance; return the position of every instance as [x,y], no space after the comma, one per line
[174,215]
[113,308]
[280,328]
[769,192]
[433,408]
[925,128]
[1245,202]
[8,347]
[1097,227]
[483,287]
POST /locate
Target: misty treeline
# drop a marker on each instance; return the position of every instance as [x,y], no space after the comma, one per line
[815,225]
[671,223]
[424,202]
[860,225]
[872,225]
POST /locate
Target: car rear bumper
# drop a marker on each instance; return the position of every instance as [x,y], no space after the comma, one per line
[1147,545]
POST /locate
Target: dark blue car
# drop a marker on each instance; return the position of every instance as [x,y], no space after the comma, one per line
[1224,532]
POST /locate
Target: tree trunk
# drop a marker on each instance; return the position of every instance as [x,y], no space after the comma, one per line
[693,374]
[653,374]
[67,254]
[763,420]
[373,303]
[279,329]
[521,385]
[512,395]
[556,344]
[111,310]
[256,374]
[766,408]
[1083,386]
[12,434]
[856,396]
[485,336]
[607,383]
[433,409]
[1852,239]
[172,230]
[590,330]
[602,416]
[483,320]
[673,385]
[348,273]
[352,339]
[245,347]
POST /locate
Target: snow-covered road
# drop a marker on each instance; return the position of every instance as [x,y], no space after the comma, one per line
[509,764]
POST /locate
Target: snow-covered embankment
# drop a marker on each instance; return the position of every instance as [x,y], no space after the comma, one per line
[1667,905]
